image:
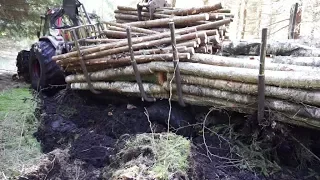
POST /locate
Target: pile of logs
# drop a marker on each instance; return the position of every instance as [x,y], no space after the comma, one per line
[292,87]
[198,32]
[184,17]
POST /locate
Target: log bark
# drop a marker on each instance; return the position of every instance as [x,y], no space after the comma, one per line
[250,101]
[180,49]
[294,109]
[145,14]
[109,74]
[236,62]
[298,121]
[222,11]
[134,29]
[246,100]
[124,42]
[192,43]
[160,51]
[289,94]
[99,41]
[126,8]
[147,44]
[276,78]
[114,28]
[121,87]
[212,25]
[274,48]
[300,61]
[215,16]
[196,10]
[165,21]
[119,35]
[122,21]
[129,17]
[125,61]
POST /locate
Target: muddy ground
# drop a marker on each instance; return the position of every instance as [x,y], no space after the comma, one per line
[7,82]
[81,134]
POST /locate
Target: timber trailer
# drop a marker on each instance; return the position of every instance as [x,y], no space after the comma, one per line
[154,51]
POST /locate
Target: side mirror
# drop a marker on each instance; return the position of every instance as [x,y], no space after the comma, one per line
[38,34]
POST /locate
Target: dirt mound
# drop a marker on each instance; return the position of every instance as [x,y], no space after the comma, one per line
[93,148]
[100,136]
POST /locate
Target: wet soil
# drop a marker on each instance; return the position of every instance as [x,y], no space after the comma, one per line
[86,130]
[9,80]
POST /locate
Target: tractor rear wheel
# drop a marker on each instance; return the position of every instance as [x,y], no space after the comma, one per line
[45,74]
[22,63]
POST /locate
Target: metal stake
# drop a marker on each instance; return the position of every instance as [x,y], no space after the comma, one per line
[135,68]
[261,84]
[83,66]
[176,63]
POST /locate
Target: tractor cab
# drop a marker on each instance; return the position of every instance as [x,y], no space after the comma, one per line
[71,14]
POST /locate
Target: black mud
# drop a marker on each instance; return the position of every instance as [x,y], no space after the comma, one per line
[85,130]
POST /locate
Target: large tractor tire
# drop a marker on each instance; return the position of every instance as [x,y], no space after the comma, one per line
[45,74]
[22,63]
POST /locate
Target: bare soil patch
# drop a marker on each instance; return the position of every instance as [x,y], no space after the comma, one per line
[91,132]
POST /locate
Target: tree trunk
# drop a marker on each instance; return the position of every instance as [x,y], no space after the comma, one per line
[133,15]
[298,121]
[195,10]
[289,94]
[236,62]
[120,43]
[276,78]
[134,29]
[119,35]
[250,101]
[121,87]
[148,44]
[278,48]
[125,61]
[299,61]
[165,21]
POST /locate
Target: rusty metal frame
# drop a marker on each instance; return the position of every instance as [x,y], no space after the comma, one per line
[135,68]
[176,63]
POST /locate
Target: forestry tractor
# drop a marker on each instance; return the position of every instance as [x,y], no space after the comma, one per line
[36,66]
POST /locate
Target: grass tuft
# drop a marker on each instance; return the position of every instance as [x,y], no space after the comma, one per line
[153,156]
[18,147]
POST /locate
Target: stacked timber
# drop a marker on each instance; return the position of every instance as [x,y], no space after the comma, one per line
[292,89]
[182,18]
